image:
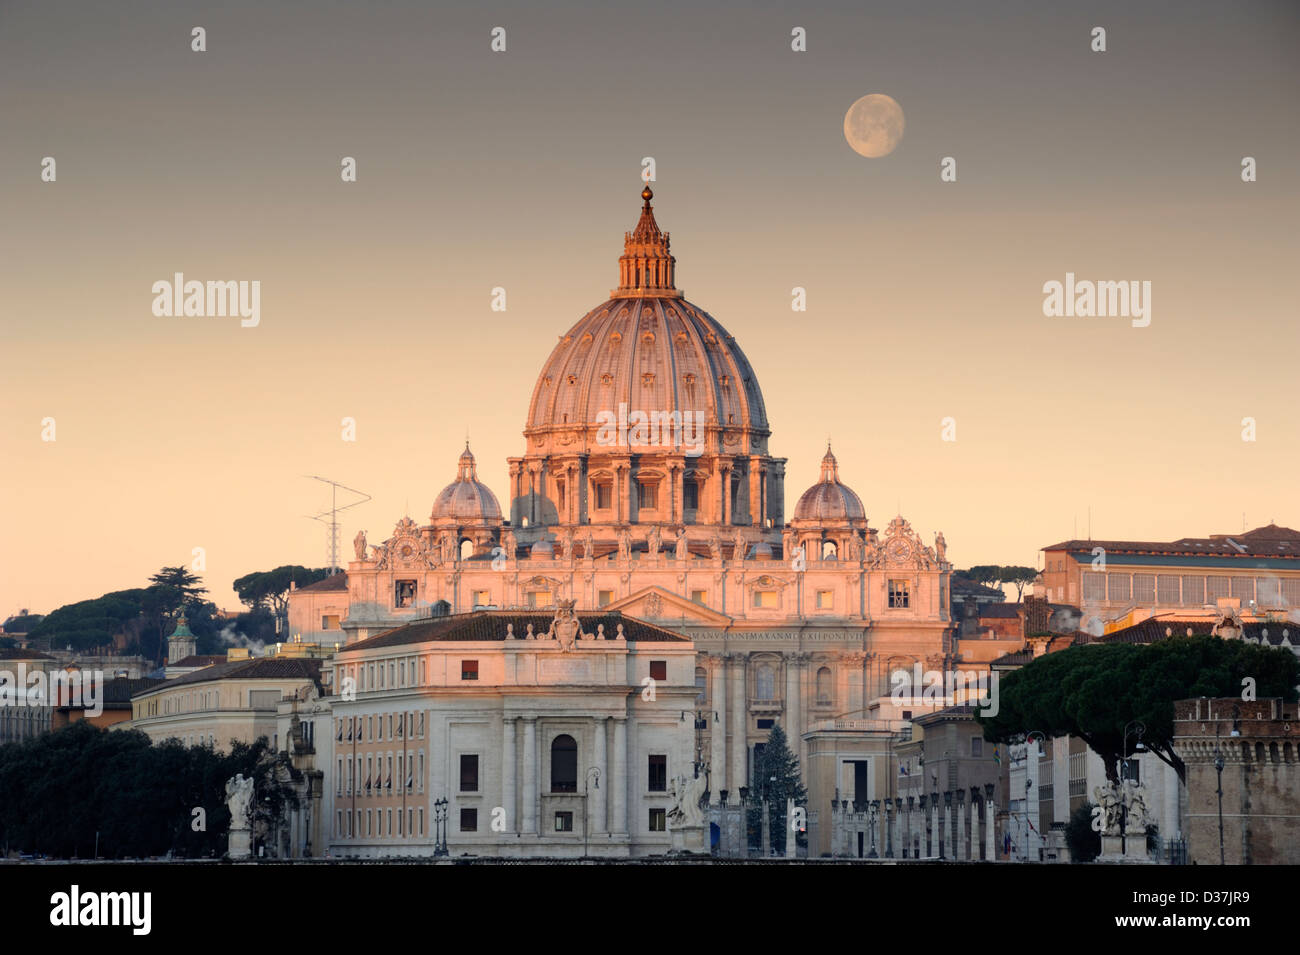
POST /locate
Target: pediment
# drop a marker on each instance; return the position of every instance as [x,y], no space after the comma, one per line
[656,604]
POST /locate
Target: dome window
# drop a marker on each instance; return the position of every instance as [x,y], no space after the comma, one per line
[829,550]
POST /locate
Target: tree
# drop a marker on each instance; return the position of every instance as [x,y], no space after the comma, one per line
[1083,840]
[87,624]
[995,575]
[270,588]
[1094,691]
[776,779]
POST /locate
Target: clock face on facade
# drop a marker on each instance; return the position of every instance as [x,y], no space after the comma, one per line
[407,551]
[898,549]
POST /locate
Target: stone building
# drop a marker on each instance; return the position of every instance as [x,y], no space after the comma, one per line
[235,700]
[647,487]
[1253,742]
[531,734]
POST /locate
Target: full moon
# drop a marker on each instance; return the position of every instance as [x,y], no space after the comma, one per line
[873,125]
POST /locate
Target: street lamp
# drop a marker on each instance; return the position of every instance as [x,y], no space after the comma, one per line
[440,807]
[588,784]
[1138,728]
[1218,768]
[875,814]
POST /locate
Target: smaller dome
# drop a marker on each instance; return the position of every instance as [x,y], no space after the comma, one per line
[828,500]
[542,550]
[466,500]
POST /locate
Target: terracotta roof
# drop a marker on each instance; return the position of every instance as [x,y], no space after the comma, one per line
[1158,628]
[117,693]
[261,668]
[1001,609]
[962,587]
[337,581]
[200,660]
[1017,659]
[1271,540]
[16,654]
[489,625]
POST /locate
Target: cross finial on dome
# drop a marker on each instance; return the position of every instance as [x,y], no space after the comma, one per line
[830,467]
[646,266]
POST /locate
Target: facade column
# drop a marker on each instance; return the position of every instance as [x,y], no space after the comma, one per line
[960,839]
[739,726]
[990,825]
[726,495]
[508,775]
[793,709]
[530,777]
[936,833]
[596,797]
[974,826]
[718,730]
[618,825]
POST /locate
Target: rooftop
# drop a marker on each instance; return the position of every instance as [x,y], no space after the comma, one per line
[489,625]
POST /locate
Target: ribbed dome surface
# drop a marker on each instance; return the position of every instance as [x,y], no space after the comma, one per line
[466,500]
[650,354]
[828,500]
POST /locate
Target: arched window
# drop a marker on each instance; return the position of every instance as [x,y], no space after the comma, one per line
[765,683]
[466,549]
[701,684]
[564,765]
[829,550]
[824,685]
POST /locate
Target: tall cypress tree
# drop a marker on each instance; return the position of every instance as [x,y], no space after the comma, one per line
[776,779]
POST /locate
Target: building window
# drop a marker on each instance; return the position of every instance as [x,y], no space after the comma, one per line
[699,597]
[658,819]
[825,599]
[824,685]
[765,599]
[899,594]
[564,822]
[329,621]
[605,598]
[765,683]
[976,746]
[468,820]
[829,550]
[604,495]
[659,670]
[658,773]
[539,599]
[469,669]
[701,684]
[765,724]
[564,765]
[647,496]
[690,496]
[482,598]
[469,772]
[1131,769]
[404,593]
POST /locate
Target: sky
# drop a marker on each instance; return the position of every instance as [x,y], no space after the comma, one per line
[520,169]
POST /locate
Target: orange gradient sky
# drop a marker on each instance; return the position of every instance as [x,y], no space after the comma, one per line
[520,169]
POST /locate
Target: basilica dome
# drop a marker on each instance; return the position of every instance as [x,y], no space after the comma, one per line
[466,501]
[829,501]
[646,349]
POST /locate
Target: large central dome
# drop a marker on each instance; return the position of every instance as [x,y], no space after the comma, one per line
[646,349]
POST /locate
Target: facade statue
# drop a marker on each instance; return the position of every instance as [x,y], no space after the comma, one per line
[589,545]
[682,550]
[654,541]
[509,544]
[687,793]
[940,546]
[565,627]
[741,547]
[715,547]
[624,544]
[359,545]
[566,545]
[239,795]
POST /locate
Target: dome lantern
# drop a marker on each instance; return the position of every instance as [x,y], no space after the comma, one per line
[646,266]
